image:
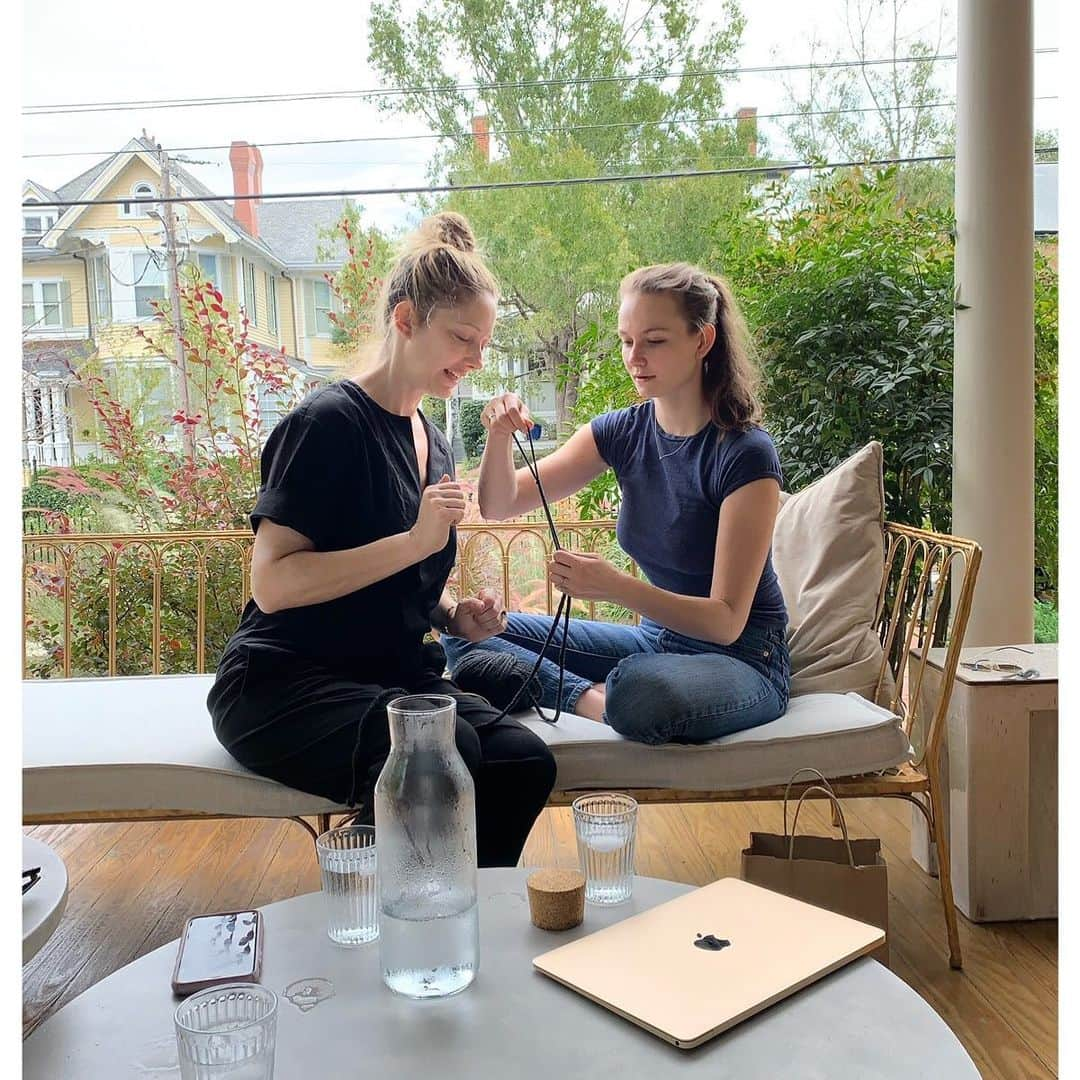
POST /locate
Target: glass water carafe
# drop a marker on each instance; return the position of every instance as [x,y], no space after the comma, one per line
[425,832]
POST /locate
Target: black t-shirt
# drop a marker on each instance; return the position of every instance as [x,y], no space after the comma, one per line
[343,471]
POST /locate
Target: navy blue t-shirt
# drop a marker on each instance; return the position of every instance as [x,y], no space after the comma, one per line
[672,488]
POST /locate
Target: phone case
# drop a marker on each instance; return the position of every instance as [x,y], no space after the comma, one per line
[185,988]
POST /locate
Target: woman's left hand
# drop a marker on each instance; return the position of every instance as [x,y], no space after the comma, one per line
[476,618]
[584,575]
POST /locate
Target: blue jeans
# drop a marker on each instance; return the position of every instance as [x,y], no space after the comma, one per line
[660,686]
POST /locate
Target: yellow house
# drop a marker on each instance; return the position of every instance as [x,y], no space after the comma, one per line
[90,273]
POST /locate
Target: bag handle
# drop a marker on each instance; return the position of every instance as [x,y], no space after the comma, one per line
[787,791]
[829,793]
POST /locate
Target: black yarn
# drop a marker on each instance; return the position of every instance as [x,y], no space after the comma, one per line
[562,612]
[497,676]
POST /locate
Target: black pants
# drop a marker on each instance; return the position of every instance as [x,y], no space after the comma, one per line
[317,730]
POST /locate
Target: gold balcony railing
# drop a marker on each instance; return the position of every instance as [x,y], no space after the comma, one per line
[166,603]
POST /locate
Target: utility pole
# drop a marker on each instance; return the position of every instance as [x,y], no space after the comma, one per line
[168,221]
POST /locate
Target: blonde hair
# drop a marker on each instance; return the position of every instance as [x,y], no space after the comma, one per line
[729,372]
[438,266]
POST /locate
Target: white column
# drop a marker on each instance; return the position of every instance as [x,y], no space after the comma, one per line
[61,419]
[30,451]
[993,396]
[48,421]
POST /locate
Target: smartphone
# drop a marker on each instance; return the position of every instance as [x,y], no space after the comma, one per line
[220,948]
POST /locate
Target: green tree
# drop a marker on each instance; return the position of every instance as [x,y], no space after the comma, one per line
[1046,426]
[872,111]
[851,298]
[366,255]
[1046,137]
[559,252]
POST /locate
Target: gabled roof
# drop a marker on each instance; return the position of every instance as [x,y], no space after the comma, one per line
[94,181]
[289,231]
[291,228]
[38,191]
[74,188]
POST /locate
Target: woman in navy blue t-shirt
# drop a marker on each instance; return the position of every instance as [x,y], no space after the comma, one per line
[700,483]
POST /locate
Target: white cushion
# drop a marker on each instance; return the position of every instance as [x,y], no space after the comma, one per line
[146,743]
[837,734]
[829,555]
[139,743]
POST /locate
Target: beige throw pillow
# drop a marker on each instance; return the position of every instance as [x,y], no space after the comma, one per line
[828,551]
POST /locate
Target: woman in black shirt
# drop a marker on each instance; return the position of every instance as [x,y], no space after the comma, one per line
[354,542]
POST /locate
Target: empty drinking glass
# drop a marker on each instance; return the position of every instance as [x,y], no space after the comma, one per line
[227,1033]
[606,825]
[347,860]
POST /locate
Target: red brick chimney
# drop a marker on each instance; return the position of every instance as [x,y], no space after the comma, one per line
[481,138]
[247,164]
[746,128]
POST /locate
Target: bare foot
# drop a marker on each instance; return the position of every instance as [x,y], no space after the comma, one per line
[591,703]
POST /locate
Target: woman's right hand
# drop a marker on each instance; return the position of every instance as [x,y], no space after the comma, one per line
[506,414]
[442,506]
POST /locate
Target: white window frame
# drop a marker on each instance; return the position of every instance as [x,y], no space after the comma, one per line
[140,205]
[139,282]
[271,304]
[215,276]
[328,307]
[102,288]
[271,407]
[45,220]
[39,321]
[250,304]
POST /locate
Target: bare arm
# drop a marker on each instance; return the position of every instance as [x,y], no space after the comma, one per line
[286,571]
[506,492]
[743,537]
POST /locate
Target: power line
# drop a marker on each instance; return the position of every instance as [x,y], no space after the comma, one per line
[434,189]
[521,130]
[642,162]
[382,92]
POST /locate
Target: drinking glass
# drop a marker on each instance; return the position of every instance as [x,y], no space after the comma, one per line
[227,1033]
[606,827]
[348,863]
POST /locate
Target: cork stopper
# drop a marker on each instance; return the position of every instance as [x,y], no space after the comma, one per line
[556,898]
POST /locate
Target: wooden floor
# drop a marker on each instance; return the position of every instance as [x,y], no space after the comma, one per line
[132,887]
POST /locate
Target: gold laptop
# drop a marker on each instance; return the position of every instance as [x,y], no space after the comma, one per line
[705,961]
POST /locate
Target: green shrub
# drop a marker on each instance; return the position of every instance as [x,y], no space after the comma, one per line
[1046,623]
[852,302]
[1046,428]
[435,410]
[473,434]
[46,497]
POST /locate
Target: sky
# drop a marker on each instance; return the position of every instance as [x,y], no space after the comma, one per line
[231,52]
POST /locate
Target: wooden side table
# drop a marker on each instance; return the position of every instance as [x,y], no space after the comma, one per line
[999,769]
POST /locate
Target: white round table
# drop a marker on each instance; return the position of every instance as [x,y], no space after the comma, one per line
[44,904]
[860,1022]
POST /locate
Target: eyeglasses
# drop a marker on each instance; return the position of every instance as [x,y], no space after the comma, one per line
[985,664]
[30,878]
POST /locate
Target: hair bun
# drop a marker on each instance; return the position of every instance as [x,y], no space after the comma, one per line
[447,229]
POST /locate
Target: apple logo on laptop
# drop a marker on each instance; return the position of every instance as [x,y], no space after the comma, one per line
[711,942]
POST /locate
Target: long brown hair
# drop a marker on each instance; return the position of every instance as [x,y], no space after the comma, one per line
[729,371]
